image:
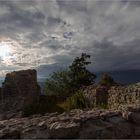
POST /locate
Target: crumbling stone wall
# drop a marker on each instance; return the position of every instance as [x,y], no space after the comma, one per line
[96,95]
[120,95]
[113,96]
[18,89]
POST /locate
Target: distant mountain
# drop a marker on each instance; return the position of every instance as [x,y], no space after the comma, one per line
[42,86]
[124,77]
[1,81]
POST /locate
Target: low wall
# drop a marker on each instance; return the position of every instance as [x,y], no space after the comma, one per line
[95,95]
[114,96]
[124,95]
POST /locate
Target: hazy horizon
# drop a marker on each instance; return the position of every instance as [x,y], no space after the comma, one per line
[122,77]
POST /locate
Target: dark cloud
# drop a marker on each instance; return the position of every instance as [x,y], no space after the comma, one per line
[133,4]
[124,57]
[68,35]
[47,34]
[72,6]
[48,69]
[53,21]
[22,18]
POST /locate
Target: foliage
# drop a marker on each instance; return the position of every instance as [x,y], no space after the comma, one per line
[69,81]
[58,83]
[80,73]
[77,101]
[65,83]
[107,80]
[49,105]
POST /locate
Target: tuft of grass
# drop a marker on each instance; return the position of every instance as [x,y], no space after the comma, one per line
[47,104]
[77,101]
[102,105]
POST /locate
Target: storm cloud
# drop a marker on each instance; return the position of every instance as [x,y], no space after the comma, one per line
[48,34]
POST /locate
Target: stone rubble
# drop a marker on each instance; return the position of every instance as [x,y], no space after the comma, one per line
[98,124]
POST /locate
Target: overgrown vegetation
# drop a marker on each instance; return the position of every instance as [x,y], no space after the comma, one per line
[48,104]
[68,81]
[73,102]
[107,80]
[64,83]
[59,83]
[67,84]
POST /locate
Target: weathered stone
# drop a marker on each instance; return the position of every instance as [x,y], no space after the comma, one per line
[64,130]
[98,124]
[114,96]
[120,125]
[94,129]
[12,134]
[135,118]
[41,123]
[137,130]
[18,89]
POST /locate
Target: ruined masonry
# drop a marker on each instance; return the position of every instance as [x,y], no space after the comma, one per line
[114,96]
[18,89]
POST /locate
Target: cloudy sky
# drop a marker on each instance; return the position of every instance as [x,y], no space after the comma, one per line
[48,34]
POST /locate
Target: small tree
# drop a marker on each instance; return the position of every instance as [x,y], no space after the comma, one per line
[107,80]
[80,73]
[68,81]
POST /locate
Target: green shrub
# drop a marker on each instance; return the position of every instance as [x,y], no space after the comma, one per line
[59,83]
[77,101]
[107,80]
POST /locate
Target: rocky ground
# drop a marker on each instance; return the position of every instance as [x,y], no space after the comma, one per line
[122,123]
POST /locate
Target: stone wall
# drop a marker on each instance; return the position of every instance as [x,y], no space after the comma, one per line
[114,96]
[123,95]
[96,95]
[87,124]
[18,89]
